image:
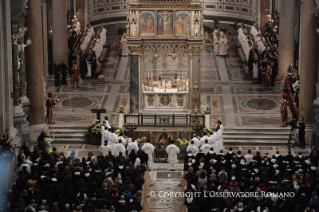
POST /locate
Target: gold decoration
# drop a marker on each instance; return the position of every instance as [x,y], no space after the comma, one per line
[134,49]
[165,100]
[150,100]
[180,100]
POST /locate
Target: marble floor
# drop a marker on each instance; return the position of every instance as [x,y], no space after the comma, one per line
[234,100]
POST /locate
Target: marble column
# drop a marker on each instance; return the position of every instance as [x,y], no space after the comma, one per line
[59,31]
[34,64]
[141,78]
[287,32]
[45,40]
[308,61]
[195,77]
[15,69]
[134,79]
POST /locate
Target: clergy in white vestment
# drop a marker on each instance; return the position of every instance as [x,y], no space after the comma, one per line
[255,70]
[216,46]
[106,148]
[248,157]
[202,140]
[221,127]
[103,134]
[172,150]
[119,148]
[132,145]
[196,141]
[148,148]
[122,139]
[166,84]
[192,147]
[223,45]
[113,139]
[205,147]
[212,140]
[107,124]
[220,142]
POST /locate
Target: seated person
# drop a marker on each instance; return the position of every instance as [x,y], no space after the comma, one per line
[176,81]
[166,83]
[156,84]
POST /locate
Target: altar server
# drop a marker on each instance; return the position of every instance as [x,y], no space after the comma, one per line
[202,140]
[132,145]
[212,140]
[106,148]
[148,148]
[205,147]
[113,139]
[120,137]
[220,142]
[172,150]
[196,141]
[192,147]
[119,148]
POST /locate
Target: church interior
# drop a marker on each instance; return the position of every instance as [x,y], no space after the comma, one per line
[159,105]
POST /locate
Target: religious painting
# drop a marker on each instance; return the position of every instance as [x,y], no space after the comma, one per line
[146,24]
[163,141]
[165,23]
[183,24]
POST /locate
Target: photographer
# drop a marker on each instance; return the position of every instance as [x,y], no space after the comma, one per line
[302,126]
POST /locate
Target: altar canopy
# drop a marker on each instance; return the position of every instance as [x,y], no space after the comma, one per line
[165,39]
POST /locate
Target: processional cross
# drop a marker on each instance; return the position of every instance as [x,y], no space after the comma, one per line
[98,113]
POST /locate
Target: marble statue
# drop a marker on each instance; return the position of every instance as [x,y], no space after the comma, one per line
[124,45]
[197,16]
[22,46]
[133,29]
[197,29]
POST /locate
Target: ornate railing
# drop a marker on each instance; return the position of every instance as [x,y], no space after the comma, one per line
[291,101]
[162,120]
[164,1]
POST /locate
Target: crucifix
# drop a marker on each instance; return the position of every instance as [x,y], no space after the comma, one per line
[98,113]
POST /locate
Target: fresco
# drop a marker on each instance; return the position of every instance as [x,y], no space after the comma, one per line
[147,24]
[183,24]
[165,23]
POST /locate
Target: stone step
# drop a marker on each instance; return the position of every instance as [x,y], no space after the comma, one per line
[252,136]
[242,132]
[71,135]
[255,142]
[70,141]
[69,131]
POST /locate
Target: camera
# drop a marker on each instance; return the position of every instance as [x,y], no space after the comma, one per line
[292,123]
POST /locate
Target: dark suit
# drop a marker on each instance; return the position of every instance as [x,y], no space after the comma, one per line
[56,74]
[64,70]
[139,181]
[302,127]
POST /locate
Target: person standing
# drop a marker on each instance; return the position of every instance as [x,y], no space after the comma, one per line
[64,70]
[302,126]
[284,110]
[49,104]
[76,75]
[172,150]
[148,148]
[56,73]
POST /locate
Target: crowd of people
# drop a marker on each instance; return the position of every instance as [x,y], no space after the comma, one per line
[7,149]
[261,61]
[233,173]
[52,181]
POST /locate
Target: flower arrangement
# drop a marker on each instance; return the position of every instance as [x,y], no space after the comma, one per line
[207,110]
[208,131]
[121,109]
[141,141]
[119,131]
[182,144]
[195,119]
[94,133]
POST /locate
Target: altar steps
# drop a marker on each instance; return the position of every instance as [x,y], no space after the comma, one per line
[68,134]
[256,135]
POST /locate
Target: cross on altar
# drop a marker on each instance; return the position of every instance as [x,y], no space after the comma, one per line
[98,113]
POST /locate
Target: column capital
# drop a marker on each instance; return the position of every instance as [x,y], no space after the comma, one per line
[140,56]
[22,31]
[195,49]
[15,38]
[134,49]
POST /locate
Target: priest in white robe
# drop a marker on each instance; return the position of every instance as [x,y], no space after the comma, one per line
[132,145]
[119,148]
[114,140]
[223,45]
[192,147]
[212,140]
[196,141]
[106,148]
[220,142]
[172,150]
[124,45]
[148,148]
[120,137]
[202,140]
[205,147]
[166,84]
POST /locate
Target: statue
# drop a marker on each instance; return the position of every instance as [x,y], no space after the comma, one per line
[133,29]
[124,45]
[133,17]
[195,95]
[197,29]
[197,16]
